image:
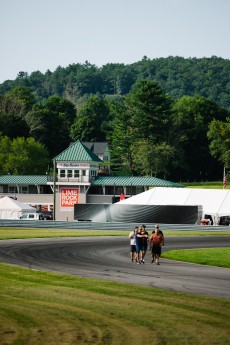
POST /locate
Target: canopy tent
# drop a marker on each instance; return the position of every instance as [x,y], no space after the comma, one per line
[13,209]
[214,202]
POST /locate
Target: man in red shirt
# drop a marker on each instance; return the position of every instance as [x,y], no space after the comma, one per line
[156,242]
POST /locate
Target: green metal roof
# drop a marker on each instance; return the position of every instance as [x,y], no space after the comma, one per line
[77,152]
[27,179]
[133,181]
[99,181]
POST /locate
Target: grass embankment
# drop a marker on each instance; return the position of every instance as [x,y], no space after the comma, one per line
[43,308]
[207,185]
[22,233]
[219,257]
[38,308]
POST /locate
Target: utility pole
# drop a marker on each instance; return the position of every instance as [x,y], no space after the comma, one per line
[224,179]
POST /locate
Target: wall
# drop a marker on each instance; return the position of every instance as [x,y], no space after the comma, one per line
[34,199]
[99,199]
[66,213]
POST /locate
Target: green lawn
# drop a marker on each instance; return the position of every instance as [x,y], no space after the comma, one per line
[39,308]
[207,184]
[44,308]
[12,233]
[216,256]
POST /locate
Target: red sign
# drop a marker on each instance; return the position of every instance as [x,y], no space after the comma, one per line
[69,197]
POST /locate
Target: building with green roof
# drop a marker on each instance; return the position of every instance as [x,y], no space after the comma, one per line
[77,180]
[77,152]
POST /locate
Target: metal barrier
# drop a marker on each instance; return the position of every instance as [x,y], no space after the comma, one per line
[65,225]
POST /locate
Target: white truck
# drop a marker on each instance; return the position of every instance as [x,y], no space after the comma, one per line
[32,216]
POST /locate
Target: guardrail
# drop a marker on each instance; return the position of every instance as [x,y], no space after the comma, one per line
[65,225]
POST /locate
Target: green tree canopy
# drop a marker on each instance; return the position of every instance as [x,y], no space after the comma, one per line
[141,124]
[153,160]
[119,136]
[13,108]
[50,123]
[89,124]
[219,137]
[191,118]
[22,156]
[150,111]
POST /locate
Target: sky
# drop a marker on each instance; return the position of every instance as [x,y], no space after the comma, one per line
[37,35]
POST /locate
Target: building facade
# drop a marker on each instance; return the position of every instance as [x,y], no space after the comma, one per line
[80,177]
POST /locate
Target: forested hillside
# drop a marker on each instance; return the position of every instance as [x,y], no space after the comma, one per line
[166,117]
[208,77]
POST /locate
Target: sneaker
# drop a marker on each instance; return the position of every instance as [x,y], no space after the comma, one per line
[157,263]
[152,261]
[143,261]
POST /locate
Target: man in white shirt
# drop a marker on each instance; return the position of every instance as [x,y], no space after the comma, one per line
[132,237]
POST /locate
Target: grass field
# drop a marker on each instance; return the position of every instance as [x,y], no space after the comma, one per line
[44,308]
[219,257]
[12,233]
[207,184]
[39,308]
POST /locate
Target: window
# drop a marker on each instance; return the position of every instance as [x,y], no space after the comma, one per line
[24,189]
[139,189]
[12,189]
[83,172]
[69,173]
[62,173]
[76,173]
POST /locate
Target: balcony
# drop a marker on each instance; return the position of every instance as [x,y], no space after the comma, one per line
[82,179]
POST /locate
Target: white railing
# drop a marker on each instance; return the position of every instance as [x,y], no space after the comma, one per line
[74,179]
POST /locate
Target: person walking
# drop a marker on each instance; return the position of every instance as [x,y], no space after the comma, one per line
[160,231]
[142,238]
[156,242]
[132,237]
[138,245]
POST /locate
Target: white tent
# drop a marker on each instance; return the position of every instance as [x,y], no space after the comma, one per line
[13,209]
[214,202]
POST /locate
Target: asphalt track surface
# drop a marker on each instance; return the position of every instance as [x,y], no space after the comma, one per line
[107,258]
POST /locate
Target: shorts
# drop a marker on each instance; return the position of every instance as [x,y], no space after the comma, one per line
[156,250]
[144,247]
[132,248]
[141,247]
[138,247]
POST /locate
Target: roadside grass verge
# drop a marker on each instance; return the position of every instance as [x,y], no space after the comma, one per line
[43,308]
[207,184]
[219,257]
[22,233]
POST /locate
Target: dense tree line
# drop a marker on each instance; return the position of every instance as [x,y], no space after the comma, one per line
[150,132]
[177,76]
[178,134]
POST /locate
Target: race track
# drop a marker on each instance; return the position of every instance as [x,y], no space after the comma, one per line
[108,258]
